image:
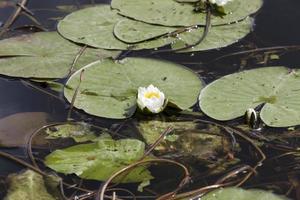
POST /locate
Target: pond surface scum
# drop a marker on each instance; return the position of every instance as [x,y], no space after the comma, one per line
[70,126]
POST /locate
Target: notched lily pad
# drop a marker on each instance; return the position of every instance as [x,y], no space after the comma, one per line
[233,193]
[219,36]
[96,27]
[100,33]
[172,13]
[98,161]
[112,31]
[116,98]
[44,55]
[277,88]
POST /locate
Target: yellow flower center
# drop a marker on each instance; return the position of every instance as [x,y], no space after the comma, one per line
[150,95]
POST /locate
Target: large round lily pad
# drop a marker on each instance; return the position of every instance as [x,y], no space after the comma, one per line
[44,55]
[241,194]
[109,88]
[172,13]
[92,26]
[276,87]
[112,31]
[97,30]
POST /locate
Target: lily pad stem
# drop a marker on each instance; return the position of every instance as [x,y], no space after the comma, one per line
[103,189]
[257,50]
[75,95]
[240,133]
[78,55]
[203,36]
[161,137]
[178,31]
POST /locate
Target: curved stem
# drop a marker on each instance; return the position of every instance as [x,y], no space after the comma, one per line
[13,17]
[101,192]
[203,36]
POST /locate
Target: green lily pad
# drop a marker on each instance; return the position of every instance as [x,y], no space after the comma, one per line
[131,31]
[241,194]
[100,33]
[98,161]
[218,36]
[31,185]
[276,87]
[80,132]
[117,32]
[109,88]
[44,55]
[96,27]
[172,13]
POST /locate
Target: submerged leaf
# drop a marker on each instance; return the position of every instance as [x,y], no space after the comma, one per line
[80,132]
[277,88]
[186,140]
[151,130]
[116,98]
[98,161]
[17,128]
[44,55]
[232,193]
[30,185]
[172,13]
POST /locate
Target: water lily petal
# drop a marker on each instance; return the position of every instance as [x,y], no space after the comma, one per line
[151,98]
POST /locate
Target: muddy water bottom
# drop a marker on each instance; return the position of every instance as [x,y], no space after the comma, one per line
[277,24]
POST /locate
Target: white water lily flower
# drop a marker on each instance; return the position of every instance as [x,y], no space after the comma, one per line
[151,98]
[219,2]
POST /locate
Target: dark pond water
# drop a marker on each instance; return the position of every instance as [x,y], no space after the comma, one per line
[276,25]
